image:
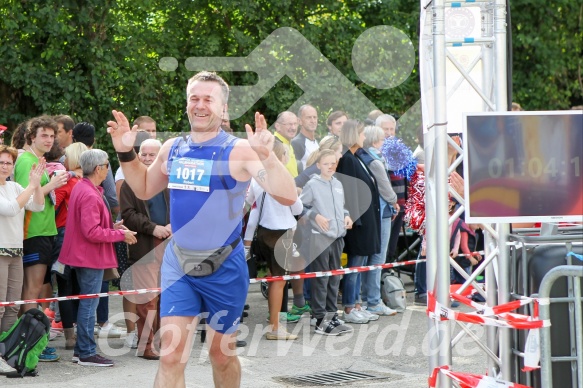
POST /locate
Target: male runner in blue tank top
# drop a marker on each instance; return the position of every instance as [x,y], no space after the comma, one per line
[207,174]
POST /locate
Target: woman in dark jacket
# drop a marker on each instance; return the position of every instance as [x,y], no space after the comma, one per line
[362,201]
[151,220]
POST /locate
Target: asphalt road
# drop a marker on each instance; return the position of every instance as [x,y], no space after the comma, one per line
[393,349]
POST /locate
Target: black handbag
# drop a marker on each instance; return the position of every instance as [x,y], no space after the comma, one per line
[254,257]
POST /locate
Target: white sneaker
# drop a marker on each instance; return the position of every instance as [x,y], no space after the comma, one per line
[368,315]
[295,252]
[109,331]
[355,316]
[5,368]
[131,340]
[381,309]
[53,334]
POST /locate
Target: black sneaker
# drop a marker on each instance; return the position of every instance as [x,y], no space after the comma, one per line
[340,326]
[420,300]
[327,328]
[95,360]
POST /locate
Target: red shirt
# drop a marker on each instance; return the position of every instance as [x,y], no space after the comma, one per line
[63,195]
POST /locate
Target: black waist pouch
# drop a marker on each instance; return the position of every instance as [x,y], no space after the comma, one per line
[203,263]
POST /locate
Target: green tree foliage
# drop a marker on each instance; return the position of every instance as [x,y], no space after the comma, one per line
[85,58]
[548,53]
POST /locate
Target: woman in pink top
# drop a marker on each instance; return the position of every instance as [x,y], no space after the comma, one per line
[88,248]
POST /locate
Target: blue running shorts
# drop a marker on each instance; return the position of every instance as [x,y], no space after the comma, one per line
[219,297]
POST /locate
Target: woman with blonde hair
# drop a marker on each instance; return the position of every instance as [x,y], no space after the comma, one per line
[66,279]
[364,239]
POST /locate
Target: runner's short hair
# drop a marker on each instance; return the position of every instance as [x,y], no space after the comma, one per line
[210,76]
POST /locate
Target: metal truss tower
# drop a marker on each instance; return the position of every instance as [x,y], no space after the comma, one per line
[463,66]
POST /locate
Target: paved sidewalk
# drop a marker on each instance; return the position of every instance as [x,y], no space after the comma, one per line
[392,347]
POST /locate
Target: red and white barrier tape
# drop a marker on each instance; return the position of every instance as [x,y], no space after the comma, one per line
[481,253]
[306,275]
[76,297]
[335,272]
[489,311]
[468,380]
[500,317]
[439,312]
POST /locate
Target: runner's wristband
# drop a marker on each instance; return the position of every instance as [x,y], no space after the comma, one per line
[128,156]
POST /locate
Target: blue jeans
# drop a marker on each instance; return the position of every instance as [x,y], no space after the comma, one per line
[307,286]
[90,281]
[351,289]
[103,306]
[455,277]
[371,280]
[421,277]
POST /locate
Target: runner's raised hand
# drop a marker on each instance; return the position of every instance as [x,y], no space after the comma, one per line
[122,136]
[261,140]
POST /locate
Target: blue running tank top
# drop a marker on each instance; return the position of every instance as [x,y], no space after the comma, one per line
[206,202]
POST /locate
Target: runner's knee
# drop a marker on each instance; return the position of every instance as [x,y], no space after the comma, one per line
[221,355]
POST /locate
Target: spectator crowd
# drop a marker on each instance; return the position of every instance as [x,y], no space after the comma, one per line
[70,225]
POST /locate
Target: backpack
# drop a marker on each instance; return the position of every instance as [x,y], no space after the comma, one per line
[393,292]
[22,345]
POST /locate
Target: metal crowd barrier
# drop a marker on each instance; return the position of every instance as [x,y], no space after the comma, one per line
[522,245]
[574,273]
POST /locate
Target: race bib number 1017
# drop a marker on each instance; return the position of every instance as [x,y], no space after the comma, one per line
[190,174]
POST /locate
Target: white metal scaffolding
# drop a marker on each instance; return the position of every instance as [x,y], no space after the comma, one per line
[451,84]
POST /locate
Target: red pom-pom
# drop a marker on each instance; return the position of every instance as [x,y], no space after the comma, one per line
[415,207]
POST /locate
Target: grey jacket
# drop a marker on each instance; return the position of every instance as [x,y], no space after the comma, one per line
[380,173]
[325,198]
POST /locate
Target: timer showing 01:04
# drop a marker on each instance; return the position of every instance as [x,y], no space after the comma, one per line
[533,167]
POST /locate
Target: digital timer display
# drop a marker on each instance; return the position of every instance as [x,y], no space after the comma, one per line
[524,166]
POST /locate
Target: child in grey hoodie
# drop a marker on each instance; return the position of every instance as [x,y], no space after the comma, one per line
[329,220]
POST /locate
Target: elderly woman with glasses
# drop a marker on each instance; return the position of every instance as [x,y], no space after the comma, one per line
[88,248]
[13,200]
